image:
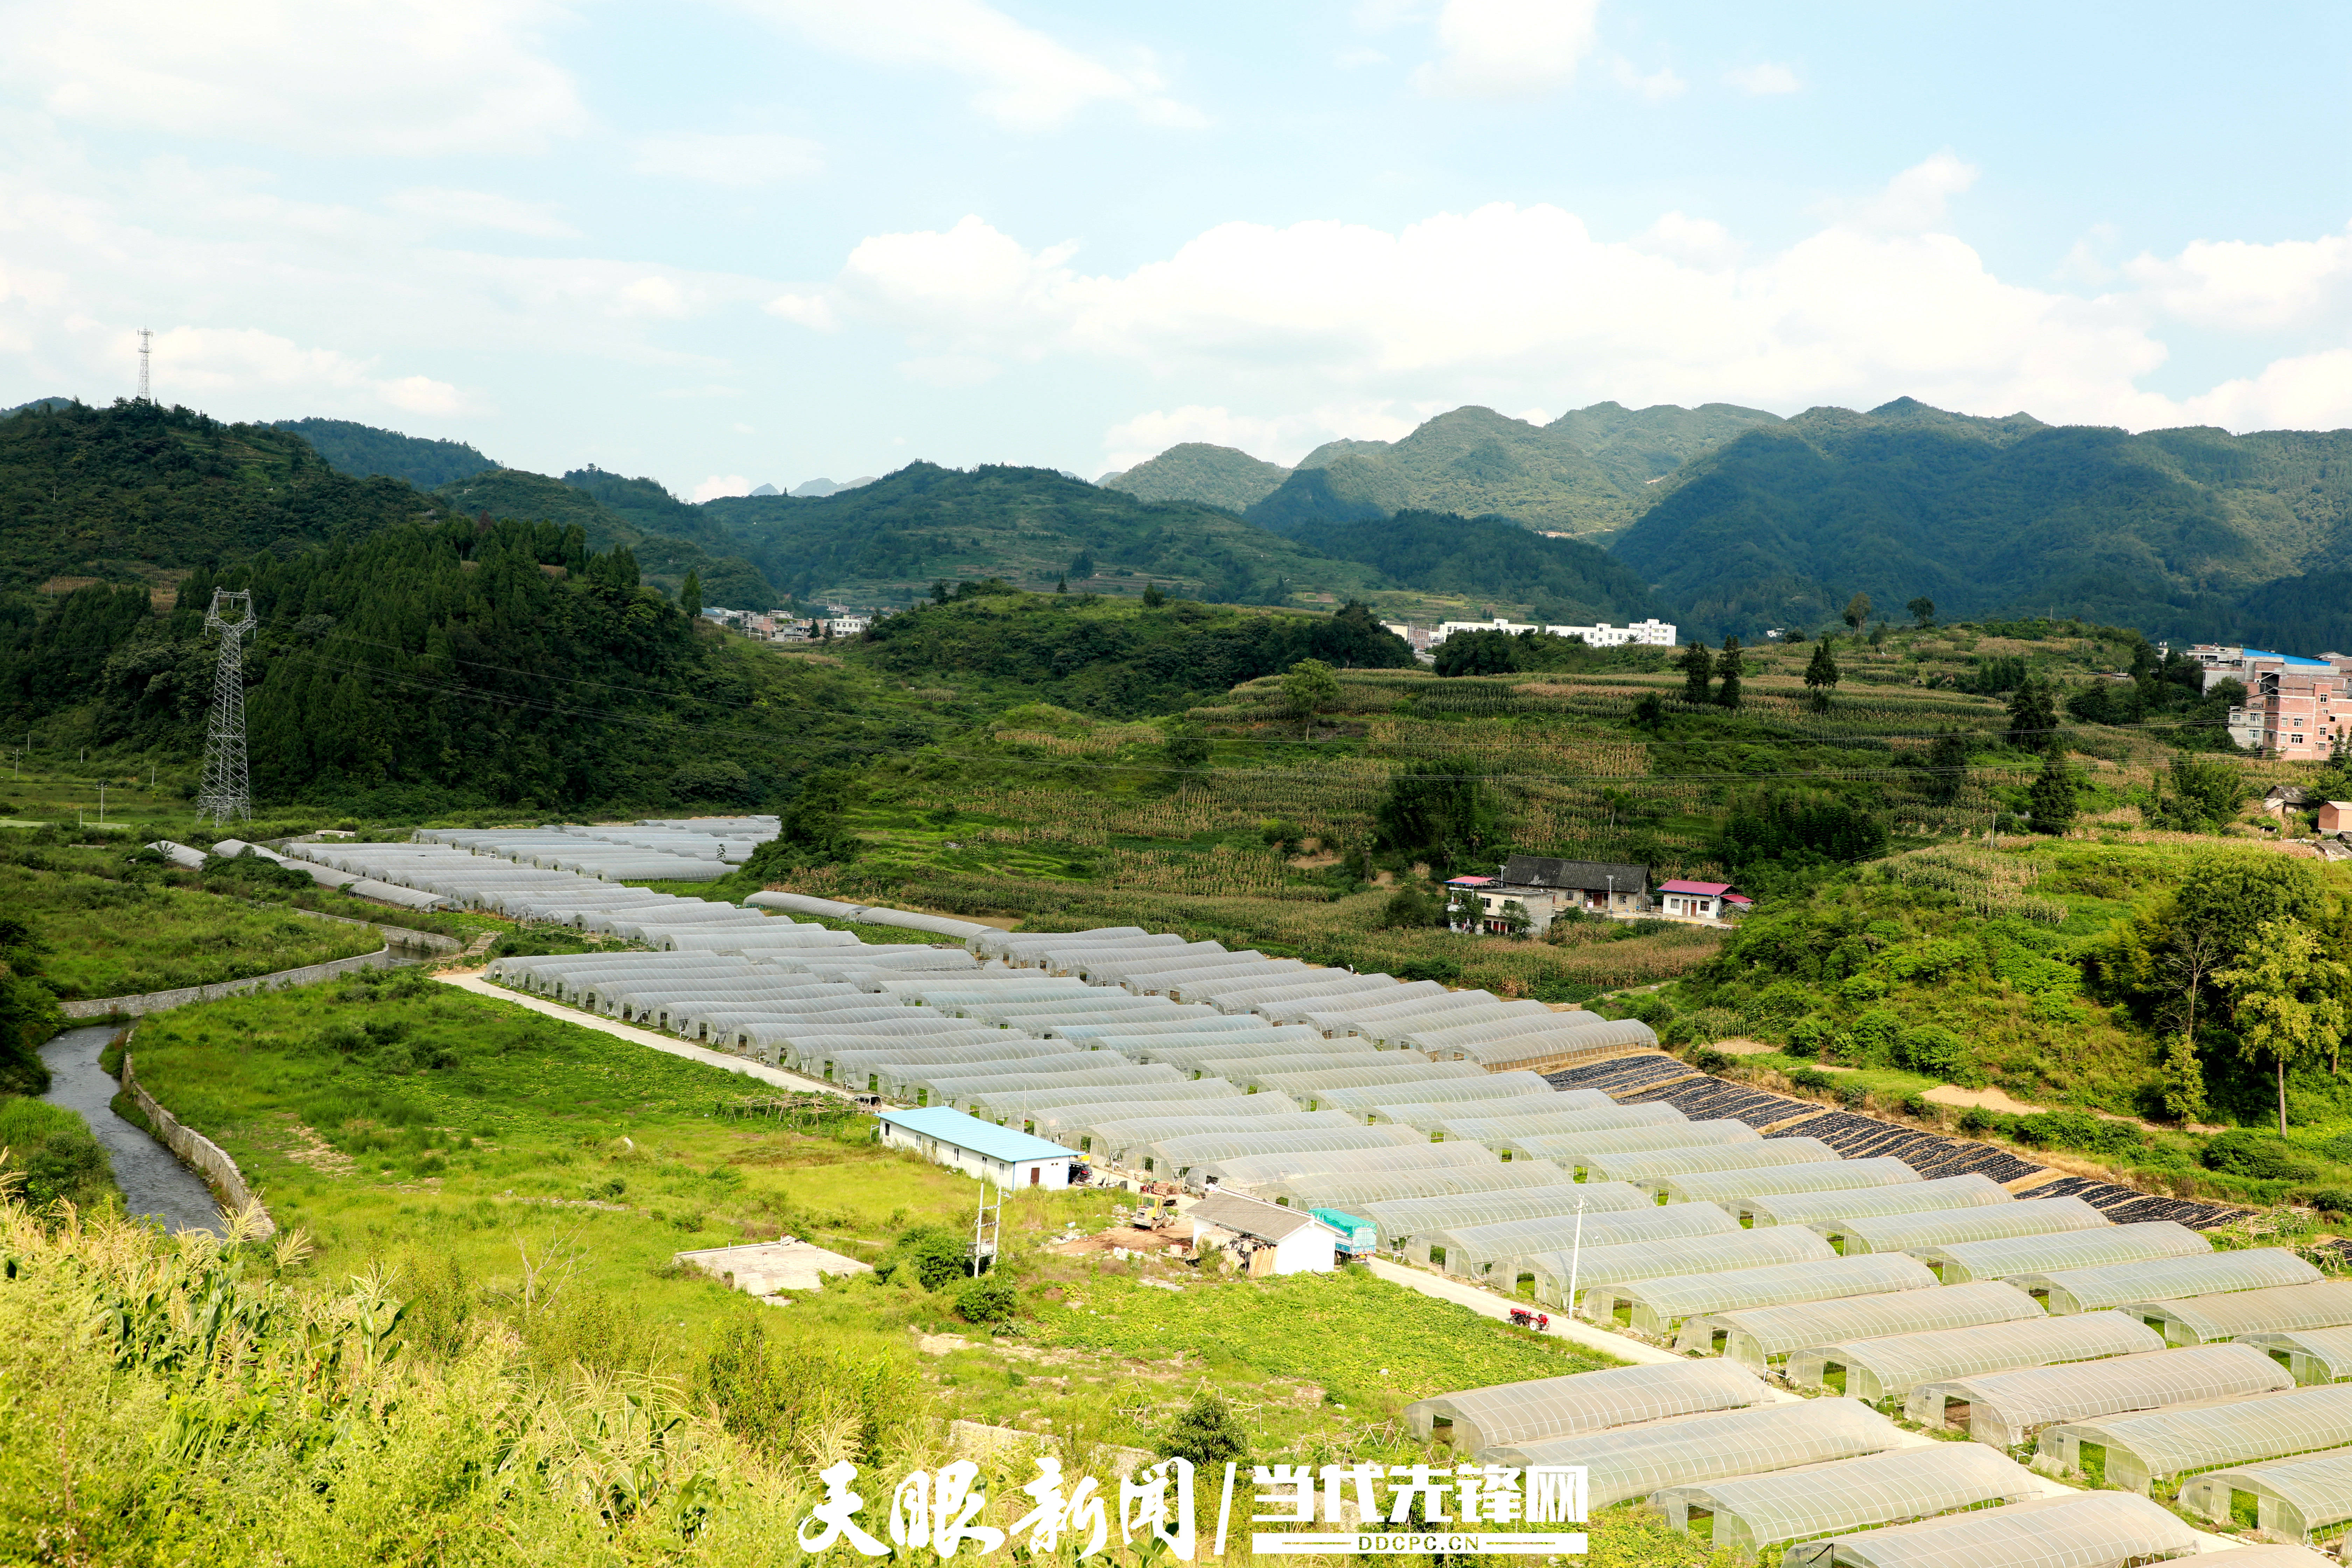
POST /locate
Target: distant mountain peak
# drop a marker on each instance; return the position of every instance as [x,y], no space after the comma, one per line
[1198,471]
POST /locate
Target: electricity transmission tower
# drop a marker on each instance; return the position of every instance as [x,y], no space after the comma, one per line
[225,792]
[146,338]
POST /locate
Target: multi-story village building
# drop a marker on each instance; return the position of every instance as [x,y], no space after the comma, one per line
[2297,709]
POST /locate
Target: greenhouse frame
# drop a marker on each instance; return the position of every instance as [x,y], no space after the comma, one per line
[1761,1337]
[1248,1172]
[2206,1273]
[1961,1261]
[1634,1261]
[2083,1530]
[1941,1227]
[1404,1222]
[1576,1151]
[1877,1368]
[1628,1462]
[1325,1191]
[1653,1168]
[1657,1307]
[2241,1314]
[2302,1498]
[2312,1355]
[1750,1512]
[1731,1189]
[2134,1451]
[1477,1420]
[1475,1251]
[1478,1126]
[2005,1408]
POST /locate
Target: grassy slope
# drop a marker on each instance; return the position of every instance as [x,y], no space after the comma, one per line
[1196,471]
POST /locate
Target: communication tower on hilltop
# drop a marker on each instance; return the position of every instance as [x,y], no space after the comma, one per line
[146,338]
[225,792]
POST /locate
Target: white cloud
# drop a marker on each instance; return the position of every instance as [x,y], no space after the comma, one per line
[1915,199]
[201,365]
[481,209]
[811,310]
[1656,87]
[1359,57]
[950,371]
[1508,48]
[2310,392]
[2242,287]
[1507,305]
[398,77]
[1764,79]
[745,160]
[1021,79]
[719,485]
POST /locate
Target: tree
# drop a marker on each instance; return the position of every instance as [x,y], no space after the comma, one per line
[1697,666]
[1730,665]
[1309,688]
[1947,767]
[1477,653]
[2052,797]
[1205,1433]
[2288,1001]
[1923,610]
[2032,718]
[1857,610]
[2206,793]
[1822,674]
[1185,747]
[1152,597]
[1434,812]
[2183,1080]
[690,594]
[1062,583]
[940,593]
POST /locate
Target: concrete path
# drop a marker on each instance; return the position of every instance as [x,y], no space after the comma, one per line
[669,1044]
[1487,1304]
[154,1184]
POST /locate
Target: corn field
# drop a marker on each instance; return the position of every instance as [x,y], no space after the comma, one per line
[1223,872]
[1983,880]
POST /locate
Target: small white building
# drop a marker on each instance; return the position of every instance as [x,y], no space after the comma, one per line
[979,1148]
[1651,633]
[1264,1238]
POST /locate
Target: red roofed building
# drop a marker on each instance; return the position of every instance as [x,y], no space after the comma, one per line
[1700,901]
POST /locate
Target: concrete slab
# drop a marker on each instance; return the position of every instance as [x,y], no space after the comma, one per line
[764,1268]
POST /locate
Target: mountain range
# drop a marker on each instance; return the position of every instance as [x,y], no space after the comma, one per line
[1725,519]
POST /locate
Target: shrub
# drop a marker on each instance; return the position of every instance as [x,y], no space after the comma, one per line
[1810,1036]
[937,1256]
[2334,1200]
[2243,1151]
[1874,1035]
[1707,1059]
[1934,1050]
[1410,908]
[1205,1433]
[1814,1078]
[56,1153]
[989,1299]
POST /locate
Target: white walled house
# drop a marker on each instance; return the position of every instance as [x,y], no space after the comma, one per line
[1651,633]
[1265,1238]
[979,1148]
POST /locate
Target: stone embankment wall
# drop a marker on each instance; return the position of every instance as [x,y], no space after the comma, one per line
[198,1153]
[164,1001]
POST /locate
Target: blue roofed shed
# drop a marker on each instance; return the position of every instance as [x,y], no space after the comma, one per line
[977,1148]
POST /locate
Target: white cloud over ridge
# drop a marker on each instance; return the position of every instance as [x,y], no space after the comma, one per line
[1021,79]
[1508,48]
[399,78]
[1509,305]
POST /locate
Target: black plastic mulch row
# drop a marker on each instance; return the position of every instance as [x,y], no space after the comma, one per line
[1620,1076]
[1965,1159]
[1866,1137]
[1712,1100]
[2128,1206]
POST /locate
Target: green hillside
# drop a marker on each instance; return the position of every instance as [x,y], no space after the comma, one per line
[1194,471]
[1589,471]
[889,541]
[665,555]
[361,450]
[134,491]
[1490,560]
[2168,531]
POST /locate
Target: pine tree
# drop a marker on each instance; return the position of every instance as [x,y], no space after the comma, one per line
[2052,797]
[1729,667]
[690,594]
[2033,718]
[1697,668]
[1822,674]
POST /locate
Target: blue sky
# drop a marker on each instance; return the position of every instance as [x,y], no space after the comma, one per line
[772,239]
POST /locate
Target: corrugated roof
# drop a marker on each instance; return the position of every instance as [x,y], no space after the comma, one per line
[1248,1216]
[1589,876]
[952,1126]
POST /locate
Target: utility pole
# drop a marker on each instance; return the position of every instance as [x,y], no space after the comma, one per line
[226,792]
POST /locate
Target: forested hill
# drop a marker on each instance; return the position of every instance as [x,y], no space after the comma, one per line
[2174,532]
[1560,581]
[131,491]
[1031,527]
[433,665]
[1194,471]
[1589,471]
[363,450]
[666,554]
